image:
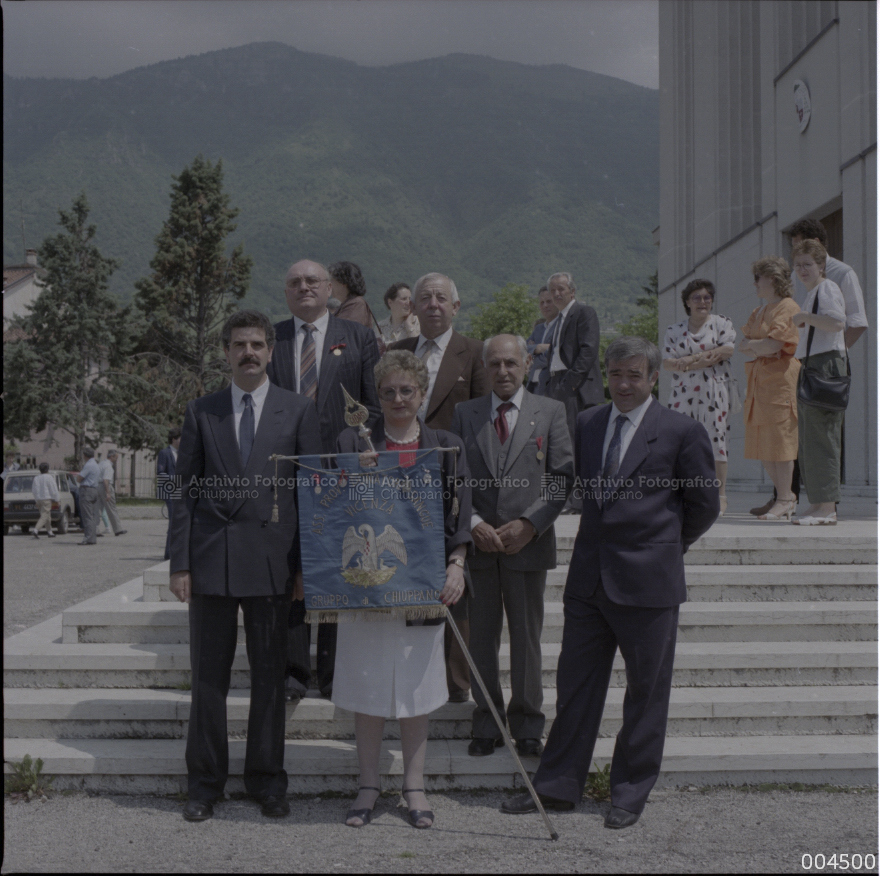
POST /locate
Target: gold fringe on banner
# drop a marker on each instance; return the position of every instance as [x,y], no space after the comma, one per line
[423,612]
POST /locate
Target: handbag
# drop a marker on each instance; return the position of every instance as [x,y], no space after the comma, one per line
[818,390]
[733,394]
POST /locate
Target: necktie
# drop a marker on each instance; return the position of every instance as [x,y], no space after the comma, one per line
[308,365]
[429,347]
[554,338]
[612,458]
[501,422]
[246,429]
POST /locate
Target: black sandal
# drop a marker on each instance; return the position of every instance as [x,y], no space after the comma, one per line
[416,815]
[364,814]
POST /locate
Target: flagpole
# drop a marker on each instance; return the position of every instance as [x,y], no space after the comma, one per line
[506,736]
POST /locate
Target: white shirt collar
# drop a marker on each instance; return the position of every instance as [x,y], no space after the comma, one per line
[564,312]
[258,395]
[442,341]
[635,416]
[515,399]
[320,323]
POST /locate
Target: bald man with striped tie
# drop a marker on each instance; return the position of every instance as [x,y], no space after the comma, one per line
[317,355]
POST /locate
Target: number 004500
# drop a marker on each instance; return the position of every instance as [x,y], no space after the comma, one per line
[839,861]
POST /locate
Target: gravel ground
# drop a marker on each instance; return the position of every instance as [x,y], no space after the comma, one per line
[707,831]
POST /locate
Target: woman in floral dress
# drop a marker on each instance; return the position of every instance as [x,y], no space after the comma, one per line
[696,351]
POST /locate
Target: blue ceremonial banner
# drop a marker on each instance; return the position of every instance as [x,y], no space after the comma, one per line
[372,538]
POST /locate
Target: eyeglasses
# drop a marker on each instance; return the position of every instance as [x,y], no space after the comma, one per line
[391,392]
[698,298]
[309,282]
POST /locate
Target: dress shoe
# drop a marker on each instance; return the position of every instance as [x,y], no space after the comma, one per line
[763,509]
[274,806]
[198,810]
[420,818]
[99,535]
[36,536]
[121,532]
[480,747]
[529,747]
[363,815]
[85,542]
[459,696]
[524,803]
[619,818]
[294,690]
[50,535]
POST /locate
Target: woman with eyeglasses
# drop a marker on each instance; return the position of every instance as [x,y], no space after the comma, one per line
[770,408]
[391,667]
[697,351]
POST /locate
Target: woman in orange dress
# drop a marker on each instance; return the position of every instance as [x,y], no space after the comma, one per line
[770,408]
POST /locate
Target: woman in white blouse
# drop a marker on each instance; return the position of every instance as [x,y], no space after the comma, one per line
[818,429]
[402,323]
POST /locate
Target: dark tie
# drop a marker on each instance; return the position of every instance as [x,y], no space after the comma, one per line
[612,457]
[501,421]
[308,365]
[554,339]
[246,429]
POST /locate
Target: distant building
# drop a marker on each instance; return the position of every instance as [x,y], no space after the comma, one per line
[20,288]
[768,116]
[135,470]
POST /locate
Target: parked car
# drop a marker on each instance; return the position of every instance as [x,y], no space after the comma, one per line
[20,507]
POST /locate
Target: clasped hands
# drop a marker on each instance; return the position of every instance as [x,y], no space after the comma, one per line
[509,538]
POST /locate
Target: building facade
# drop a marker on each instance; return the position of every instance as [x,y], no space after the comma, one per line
[768,116]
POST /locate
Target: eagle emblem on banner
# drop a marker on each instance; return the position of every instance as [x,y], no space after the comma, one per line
[362,545]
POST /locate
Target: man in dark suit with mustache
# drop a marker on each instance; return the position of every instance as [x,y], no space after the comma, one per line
[230,551]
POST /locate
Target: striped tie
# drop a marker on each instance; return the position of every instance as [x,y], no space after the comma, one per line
[612,459]
[308,365]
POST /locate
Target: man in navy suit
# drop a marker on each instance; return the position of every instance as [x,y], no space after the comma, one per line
[649,493]
[166,464]
[229,550]
[317,354]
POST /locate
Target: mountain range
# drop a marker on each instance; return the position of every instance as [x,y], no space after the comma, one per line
[489,171]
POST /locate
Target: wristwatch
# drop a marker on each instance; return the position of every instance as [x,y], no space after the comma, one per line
[458,561]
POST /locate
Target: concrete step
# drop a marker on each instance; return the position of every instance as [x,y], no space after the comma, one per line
[793,545]
[163,714]
[168,623]
[137,766]
[30,663]
[733,583]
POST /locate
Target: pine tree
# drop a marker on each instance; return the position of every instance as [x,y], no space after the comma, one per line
[194,286]
[73,342]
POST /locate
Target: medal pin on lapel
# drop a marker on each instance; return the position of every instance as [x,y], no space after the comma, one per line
[540,442]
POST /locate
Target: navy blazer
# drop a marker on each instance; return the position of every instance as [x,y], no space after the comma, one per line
[665,500]
[221,528]
[352,368]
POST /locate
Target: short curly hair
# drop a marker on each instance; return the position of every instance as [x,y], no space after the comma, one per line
[812,248]
[692,287]
[404,361]
[391,294]
[809,229]
[349,274]
[778,270]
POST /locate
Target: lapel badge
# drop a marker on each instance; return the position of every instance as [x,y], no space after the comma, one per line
[540,442]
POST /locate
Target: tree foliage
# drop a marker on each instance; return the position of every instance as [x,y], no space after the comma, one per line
[194,286]
[73,342]
[512,311]
[644,323]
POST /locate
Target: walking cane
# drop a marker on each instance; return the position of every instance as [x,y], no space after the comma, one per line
[507,740]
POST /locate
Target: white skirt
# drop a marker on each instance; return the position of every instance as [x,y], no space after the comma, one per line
[387,669]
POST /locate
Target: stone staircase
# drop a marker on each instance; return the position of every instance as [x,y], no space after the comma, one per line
[775,680]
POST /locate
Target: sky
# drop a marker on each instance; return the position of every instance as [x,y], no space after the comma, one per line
[83,38]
